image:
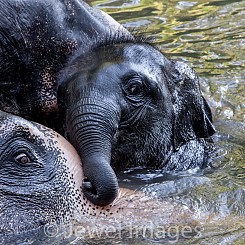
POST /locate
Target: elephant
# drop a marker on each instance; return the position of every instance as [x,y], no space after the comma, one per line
[112,94]
[38,169]
[40,185]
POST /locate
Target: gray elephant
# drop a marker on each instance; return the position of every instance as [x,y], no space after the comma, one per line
[115,97]
[40,186]
[38,169]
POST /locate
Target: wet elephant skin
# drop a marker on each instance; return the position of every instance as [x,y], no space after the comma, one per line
[115,97]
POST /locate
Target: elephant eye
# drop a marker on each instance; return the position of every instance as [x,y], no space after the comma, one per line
[133,87]
[22,158]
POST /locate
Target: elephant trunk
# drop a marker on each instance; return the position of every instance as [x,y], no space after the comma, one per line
[91,127]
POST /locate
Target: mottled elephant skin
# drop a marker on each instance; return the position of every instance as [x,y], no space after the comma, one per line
[37,167]
[115,97]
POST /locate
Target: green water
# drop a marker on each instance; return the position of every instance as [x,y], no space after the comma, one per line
[210,36]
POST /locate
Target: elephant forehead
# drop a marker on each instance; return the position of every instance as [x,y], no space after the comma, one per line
[11,124]
[144,54]
[14,126]
[8,127]
[128,67]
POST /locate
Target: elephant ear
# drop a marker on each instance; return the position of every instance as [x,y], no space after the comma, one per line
[192,115]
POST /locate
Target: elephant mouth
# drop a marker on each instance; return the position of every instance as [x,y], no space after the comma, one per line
[87,186]
[139,150]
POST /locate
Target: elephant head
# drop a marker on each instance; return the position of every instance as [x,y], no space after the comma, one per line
[40,176]
[125,104]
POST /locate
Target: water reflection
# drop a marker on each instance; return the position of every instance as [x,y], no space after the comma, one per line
[210,36]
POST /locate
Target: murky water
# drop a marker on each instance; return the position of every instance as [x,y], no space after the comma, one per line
[210,36]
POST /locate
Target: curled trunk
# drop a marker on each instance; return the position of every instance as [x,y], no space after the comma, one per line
[91,126]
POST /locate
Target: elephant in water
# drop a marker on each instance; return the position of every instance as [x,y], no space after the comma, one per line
[115,97]
[40,183]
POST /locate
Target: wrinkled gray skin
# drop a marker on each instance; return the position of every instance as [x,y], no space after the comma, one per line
[40,184]
[38,168]
[117,99]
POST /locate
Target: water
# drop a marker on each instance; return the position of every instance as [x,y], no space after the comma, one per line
[210,36]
